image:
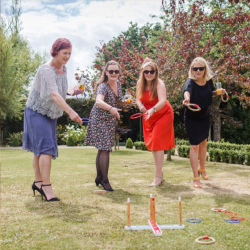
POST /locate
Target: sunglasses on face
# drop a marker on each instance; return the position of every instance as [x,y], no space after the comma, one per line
[113,71]
[149,71]
[198,68]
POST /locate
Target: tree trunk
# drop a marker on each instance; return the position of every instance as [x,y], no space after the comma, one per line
[168,155]
[216,118]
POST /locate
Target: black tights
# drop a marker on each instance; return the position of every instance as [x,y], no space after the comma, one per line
[102,165]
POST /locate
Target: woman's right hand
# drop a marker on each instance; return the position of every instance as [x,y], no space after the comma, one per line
[186,101]
[74,116]
[114,111]
[142,108]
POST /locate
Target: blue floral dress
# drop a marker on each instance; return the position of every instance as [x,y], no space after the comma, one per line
[101,128]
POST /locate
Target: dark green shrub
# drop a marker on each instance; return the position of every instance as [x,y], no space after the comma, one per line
[248,158]
[129,143]
[211,154]
[183,151]
[15,139]
[217,155]
[172,151]
[241,157]
[233,156]
[225,156]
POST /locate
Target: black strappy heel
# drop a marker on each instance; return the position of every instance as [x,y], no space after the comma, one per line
[43,194]
[35,188]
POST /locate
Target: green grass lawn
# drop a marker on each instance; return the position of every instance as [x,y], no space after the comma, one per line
[83,220]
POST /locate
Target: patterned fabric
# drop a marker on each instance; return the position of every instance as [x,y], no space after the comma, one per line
[101,129]
[46,82]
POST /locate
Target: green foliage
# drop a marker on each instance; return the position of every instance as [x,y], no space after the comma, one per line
[75,136]
[183,151]
[60,135]
[18,66]
[129,143]
[140,145]
[172,151]
[15,139]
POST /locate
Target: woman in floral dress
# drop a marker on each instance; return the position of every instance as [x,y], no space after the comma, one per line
[101,129]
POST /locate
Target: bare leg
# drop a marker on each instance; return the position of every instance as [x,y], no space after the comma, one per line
[202,156]
[38,176]
[158,158]
[193,155]
[45,167]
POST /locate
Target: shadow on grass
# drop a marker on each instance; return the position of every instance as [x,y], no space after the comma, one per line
[74,213]
[223,195]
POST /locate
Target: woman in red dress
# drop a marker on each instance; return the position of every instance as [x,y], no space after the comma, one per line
[158,116]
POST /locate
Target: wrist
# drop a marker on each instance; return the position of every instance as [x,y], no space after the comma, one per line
[69,111]
[154,109]
[110,108]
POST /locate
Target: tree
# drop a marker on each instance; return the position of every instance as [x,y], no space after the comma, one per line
[18,65]
[217,30]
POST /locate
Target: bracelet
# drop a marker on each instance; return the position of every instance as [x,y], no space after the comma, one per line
[154,109]
[110,108]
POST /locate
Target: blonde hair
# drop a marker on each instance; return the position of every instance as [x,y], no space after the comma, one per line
[142,83]
[208,72]
[104,77]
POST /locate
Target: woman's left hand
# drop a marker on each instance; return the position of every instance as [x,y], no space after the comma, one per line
[149,113]
[223,91]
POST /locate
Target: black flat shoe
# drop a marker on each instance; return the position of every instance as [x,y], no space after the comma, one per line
[106,186]
[34,187]
[43,194]
[98,181]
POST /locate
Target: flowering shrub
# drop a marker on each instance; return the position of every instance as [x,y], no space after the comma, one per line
[60,135]
[75,136]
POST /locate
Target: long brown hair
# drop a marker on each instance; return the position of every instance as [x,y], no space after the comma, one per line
[142,83]
[104,77]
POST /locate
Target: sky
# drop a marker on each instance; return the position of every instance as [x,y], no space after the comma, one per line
[84,22]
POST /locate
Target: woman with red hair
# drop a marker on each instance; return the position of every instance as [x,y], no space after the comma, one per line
[46,102]
[158,129]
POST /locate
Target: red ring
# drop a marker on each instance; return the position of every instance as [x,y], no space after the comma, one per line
[136,115]
[237,218]
[230,212]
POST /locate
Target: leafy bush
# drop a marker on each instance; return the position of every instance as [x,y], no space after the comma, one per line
[183,151]
[233,156]
[140,145]
[75,136]
[15,139]
[60,135]
[241,157]
[225,156]
[172,151]
[129,143]
[248,158]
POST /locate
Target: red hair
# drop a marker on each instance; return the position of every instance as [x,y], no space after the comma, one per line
[59,44]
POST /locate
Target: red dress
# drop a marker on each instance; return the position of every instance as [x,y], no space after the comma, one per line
[158,130]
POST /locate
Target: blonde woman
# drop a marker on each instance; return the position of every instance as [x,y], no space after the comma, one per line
[199,89]
[158,115]
[101,129]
